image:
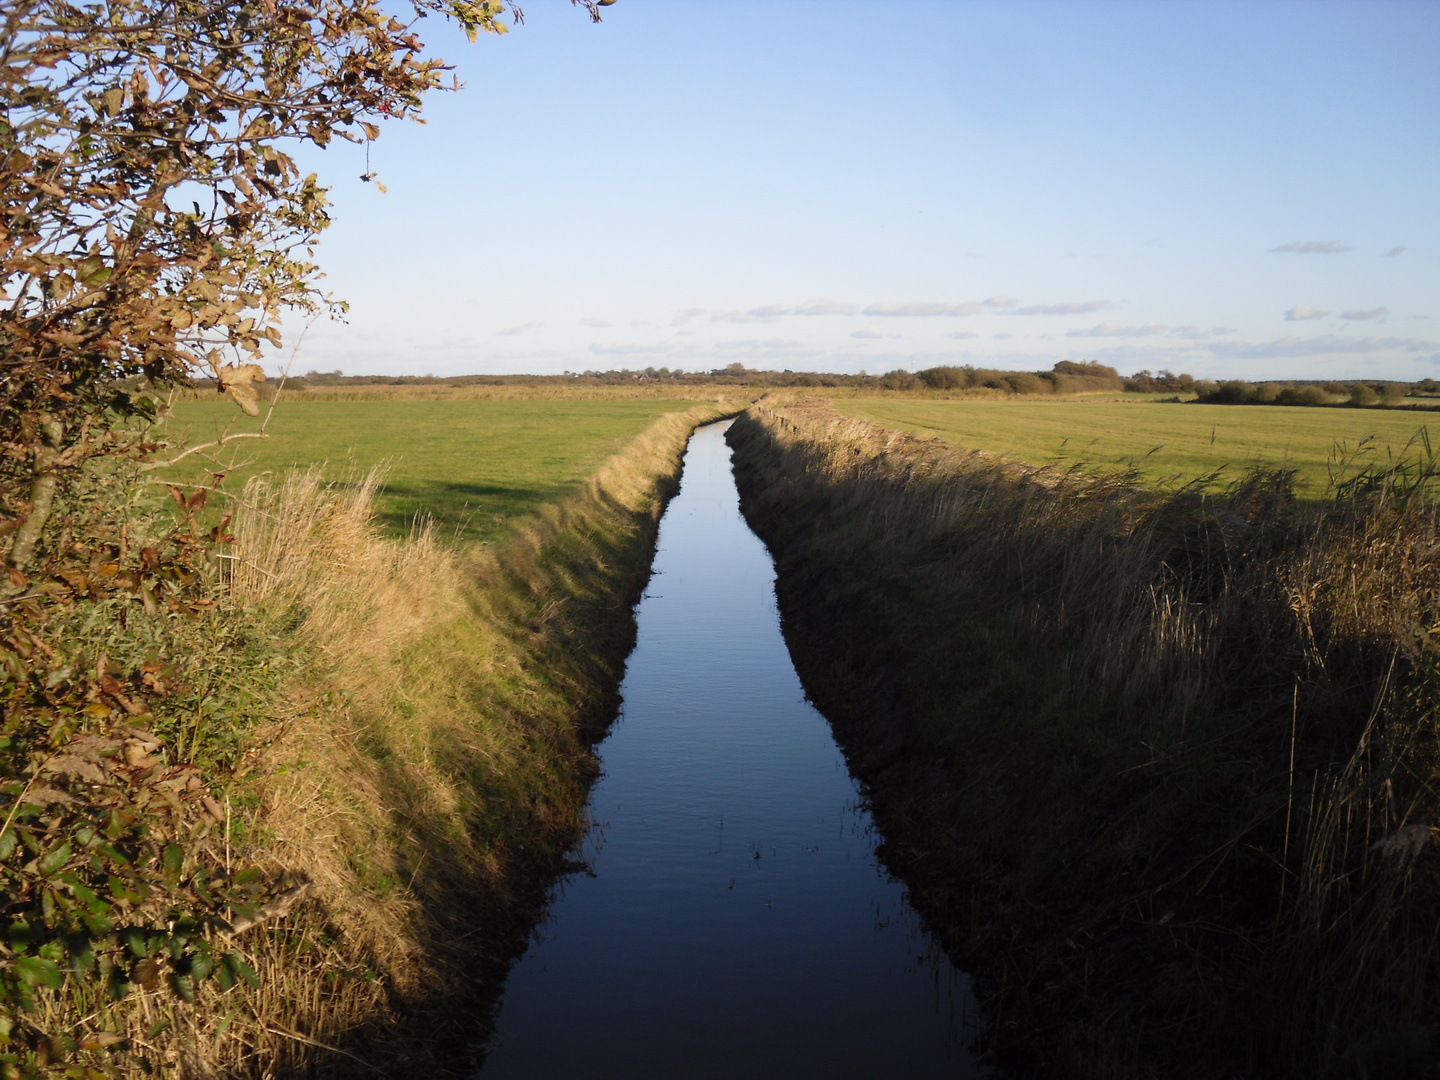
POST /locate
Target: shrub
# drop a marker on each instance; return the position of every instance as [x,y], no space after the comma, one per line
[946,378]
[1362,394]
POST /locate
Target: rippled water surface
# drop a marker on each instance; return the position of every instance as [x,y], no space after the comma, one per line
[735,921]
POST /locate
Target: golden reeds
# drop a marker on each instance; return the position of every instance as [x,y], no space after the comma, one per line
[1160,714]
[430,769]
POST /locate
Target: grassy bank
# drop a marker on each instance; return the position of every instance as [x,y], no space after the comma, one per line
[332,781]
[433,772]
[1159,767]
[1166,442]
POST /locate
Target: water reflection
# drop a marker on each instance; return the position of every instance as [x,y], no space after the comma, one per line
[733,919]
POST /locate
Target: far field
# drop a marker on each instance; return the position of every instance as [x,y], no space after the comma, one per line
[1167,441]
[470,464]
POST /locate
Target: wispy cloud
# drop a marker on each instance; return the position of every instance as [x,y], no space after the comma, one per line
[1396,250]
[683,317]
[823,307]
[738,316]
[922,309]
[963,335]
[768,311]
[1313,247]
[1301,312]
[1358,315]
[869,333]
[1076,308]
[765,345]
[512,331]
[628,349]
[1110,329]
[931,308]
[594,322]
[1002,337]
[1320,346]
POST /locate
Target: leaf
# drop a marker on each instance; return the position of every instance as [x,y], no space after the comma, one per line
[93,271]
[236,380]
[101,1040]
[242,970]
[134,940]
[146,973]
[174,860]
[184,986]
[52,861]
[34,971]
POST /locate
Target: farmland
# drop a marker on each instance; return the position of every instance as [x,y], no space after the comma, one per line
[472,465]
[1167,442]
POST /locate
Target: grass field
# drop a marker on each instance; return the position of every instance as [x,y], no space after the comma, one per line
[1166,441]
[471,464]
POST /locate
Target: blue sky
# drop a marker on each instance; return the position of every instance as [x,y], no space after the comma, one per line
[1232,189]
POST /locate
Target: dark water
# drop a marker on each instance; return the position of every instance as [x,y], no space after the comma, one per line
[735,921]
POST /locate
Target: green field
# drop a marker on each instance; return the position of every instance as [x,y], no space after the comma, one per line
[471,465]
[1166,441]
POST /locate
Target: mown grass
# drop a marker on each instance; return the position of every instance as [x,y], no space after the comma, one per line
[1165,441]
[470,465]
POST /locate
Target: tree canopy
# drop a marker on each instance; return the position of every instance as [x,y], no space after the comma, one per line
[152,222]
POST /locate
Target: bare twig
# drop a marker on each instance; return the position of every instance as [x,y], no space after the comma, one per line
[149,465]
[286,373]
[281,905]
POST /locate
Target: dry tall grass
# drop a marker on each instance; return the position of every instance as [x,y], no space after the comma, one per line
[1166,761]
[432,769]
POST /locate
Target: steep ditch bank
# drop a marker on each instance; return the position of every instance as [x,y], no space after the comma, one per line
[730,906]
[433,773]
[1155,765]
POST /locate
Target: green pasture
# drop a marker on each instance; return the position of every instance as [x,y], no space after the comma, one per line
[471,465]
[1166,441]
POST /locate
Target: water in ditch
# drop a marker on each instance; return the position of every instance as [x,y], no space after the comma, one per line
[734,920]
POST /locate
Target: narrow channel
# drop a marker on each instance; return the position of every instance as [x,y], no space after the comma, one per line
[734,919]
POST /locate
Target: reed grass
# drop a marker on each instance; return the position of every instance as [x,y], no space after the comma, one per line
[1160,765]
[428,771]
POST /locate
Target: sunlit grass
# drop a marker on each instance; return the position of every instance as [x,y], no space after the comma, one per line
[1165,441]
[472,465]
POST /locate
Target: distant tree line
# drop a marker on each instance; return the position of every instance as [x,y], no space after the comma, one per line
[1066,377]
[1366,394]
